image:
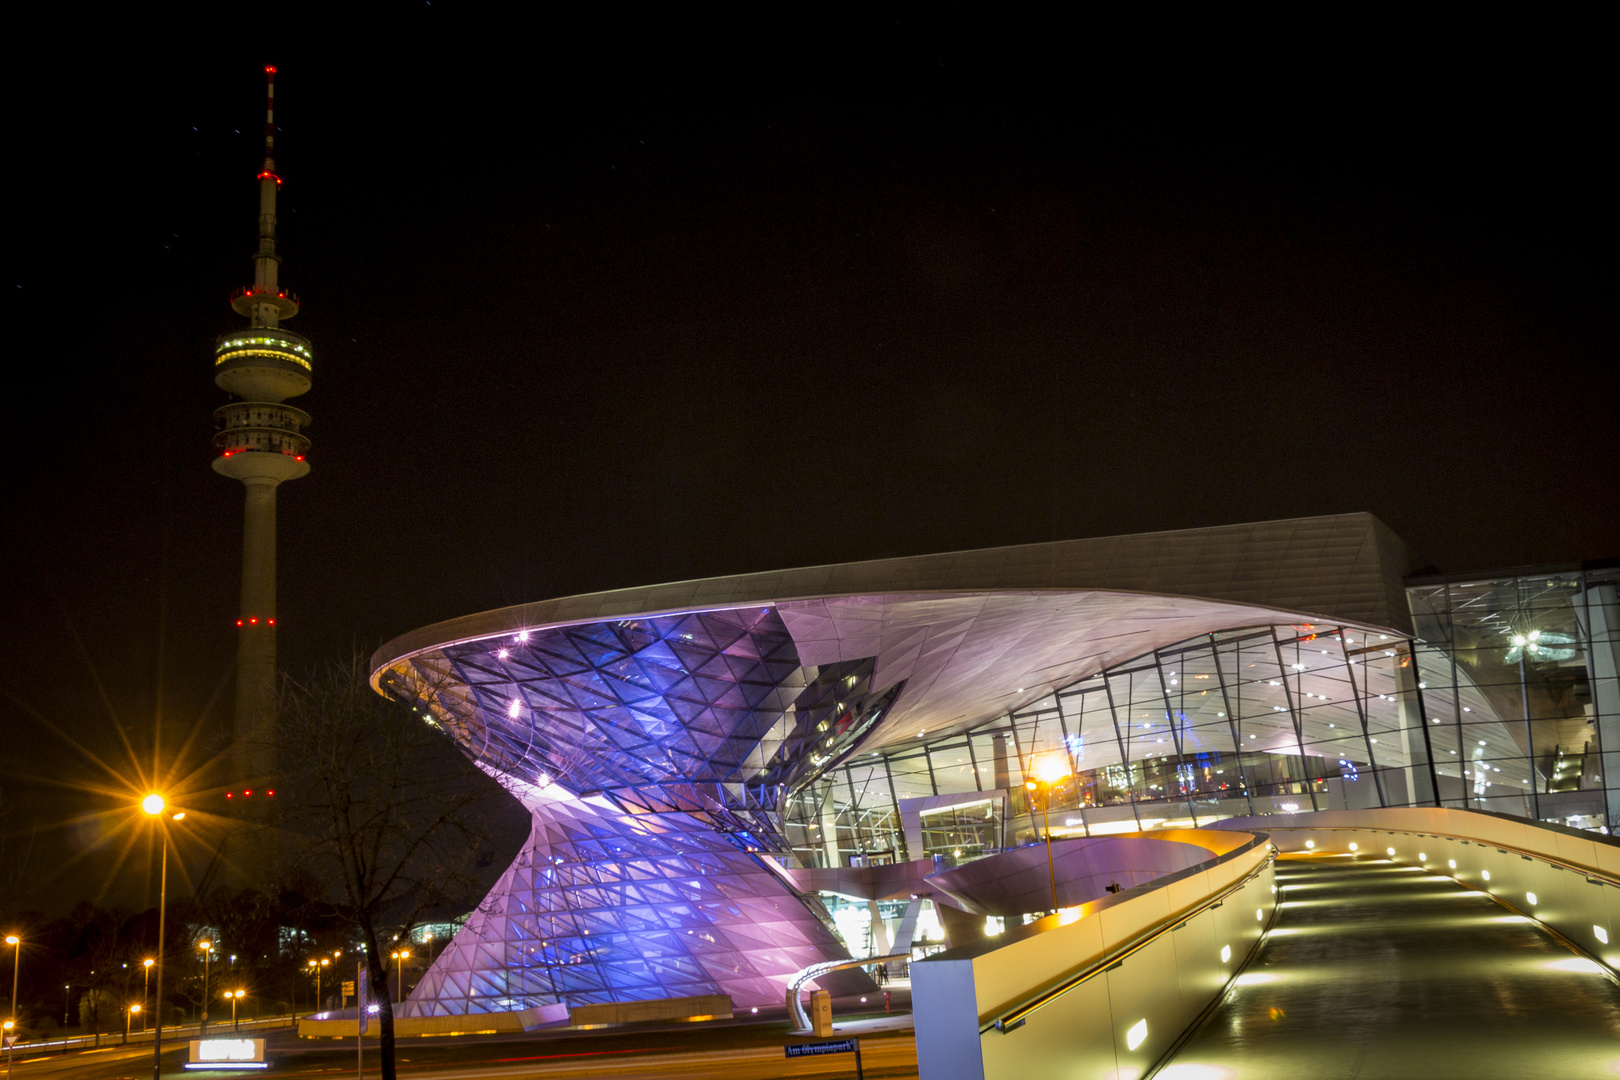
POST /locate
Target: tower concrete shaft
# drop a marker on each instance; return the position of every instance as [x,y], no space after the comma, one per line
[260,441]
[254,727]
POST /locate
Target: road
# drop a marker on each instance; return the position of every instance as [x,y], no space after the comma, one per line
[735,1051]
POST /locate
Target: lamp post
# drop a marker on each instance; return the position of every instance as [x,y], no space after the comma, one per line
[317,966]
[144,981]
[359,1018]
[208,951]
[399,957]
[129,1018]
[1048,772]
[17,967]
[11,1025]
[153,806]
[235,997]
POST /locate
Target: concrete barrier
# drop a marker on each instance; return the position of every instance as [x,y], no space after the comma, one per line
[701,1007]
[1104,989]
[314,1027]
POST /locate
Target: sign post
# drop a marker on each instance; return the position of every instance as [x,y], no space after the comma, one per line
[816,1049]
[360,1019]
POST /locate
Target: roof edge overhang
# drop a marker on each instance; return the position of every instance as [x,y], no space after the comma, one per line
[511,620]
[1345,568]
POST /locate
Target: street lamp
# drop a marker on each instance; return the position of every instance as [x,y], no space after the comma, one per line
[400,957]
[144,980]
[208,950]
[153,807]
[129,1017]
[11,1025]
[1050,770]
[237,996]
[317,965]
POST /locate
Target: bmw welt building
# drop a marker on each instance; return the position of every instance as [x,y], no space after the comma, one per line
[713,767]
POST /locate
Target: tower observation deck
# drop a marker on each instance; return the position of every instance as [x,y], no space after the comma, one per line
[260,441]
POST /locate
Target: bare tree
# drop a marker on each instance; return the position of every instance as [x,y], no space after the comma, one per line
[98,960]
[384,810]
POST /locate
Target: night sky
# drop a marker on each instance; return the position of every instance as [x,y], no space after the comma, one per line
[607,306]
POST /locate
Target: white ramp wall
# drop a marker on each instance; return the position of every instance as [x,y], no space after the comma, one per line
[1102,990]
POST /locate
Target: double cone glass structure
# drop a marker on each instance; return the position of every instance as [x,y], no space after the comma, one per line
[688,752]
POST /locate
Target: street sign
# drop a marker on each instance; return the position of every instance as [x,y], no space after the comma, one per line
[348,988]
[839,1046]
[226,1055]
[11,1040]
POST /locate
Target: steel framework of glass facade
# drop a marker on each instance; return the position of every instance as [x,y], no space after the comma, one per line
[1273,719]
[1533,655]
[650,753]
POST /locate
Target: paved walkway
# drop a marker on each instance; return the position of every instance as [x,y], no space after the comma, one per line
[1375,970]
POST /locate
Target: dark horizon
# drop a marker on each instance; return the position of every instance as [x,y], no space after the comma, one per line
[597,319]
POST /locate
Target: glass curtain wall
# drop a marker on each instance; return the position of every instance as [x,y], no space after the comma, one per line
[1271,719]
[1506,700]
[1523,704]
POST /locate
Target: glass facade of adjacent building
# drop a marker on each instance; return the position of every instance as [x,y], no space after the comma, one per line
[1524,705]
[1505,700]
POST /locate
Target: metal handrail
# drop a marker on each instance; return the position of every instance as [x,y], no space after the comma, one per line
[1014,1018]
[795,984]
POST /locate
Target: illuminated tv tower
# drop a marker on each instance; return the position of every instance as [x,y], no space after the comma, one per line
[260,441]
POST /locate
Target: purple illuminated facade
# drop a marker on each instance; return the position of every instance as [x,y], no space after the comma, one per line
[651,754]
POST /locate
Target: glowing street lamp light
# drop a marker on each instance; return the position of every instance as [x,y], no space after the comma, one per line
[145,980]
[129,1017]
[317,965]
[154,806]
[207,948]
[235,997]
[11,1025]
[399,966]
[1050,770]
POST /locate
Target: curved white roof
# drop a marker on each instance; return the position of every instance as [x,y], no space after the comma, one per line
[973,633]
